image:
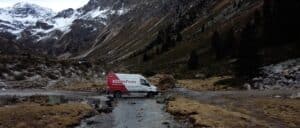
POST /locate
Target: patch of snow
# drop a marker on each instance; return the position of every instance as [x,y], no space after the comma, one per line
[62,23]
[6,24]
[98,13]
[33,78]
[123,11]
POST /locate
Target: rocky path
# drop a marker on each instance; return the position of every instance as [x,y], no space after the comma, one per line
[223,96]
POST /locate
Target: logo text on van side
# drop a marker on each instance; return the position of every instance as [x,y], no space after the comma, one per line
[123,81]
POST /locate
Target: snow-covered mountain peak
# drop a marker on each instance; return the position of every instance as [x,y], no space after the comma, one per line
[37,26]
[25,14]
[24,9]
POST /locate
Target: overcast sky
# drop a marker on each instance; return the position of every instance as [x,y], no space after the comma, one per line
[55,5]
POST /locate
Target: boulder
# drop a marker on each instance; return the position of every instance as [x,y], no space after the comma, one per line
[3,85]
[247,86]
[295,96]
[297,77]
[267,81]
[200,76]
[52,76]
[163,81]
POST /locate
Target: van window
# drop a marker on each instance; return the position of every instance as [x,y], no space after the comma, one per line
[144,82]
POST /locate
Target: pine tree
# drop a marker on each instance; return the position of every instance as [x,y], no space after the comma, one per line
[248,58]
[193,61]
[230,43]
[216,43]
[145,57]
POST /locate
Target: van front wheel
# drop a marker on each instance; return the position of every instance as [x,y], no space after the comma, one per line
[150,94]
[118,94]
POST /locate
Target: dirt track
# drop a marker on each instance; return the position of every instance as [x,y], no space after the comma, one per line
[220,97]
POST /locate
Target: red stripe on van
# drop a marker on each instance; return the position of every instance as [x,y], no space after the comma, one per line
[114,83]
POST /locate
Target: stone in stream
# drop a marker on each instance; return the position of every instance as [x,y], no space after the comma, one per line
[132,102]
[160,100]
[164,98]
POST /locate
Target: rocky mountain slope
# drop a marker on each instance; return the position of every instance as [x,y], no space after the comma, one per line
[40,29]
[156,35]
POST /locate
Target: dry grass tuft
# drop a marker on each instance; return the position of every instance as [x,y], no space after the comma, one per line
[31,115]
[204,115]
[209,84]
[83,86]
[286,110]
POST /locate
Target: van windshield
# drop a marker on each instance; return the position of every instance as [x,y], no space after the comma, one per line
[144,82]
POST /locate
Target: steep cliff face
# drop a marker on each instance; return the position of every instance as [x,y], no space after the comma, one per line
[130,33]
[156,26]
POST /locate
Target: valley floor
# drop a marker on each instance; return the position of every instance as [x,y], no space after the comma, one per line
[269,108]
[187,108]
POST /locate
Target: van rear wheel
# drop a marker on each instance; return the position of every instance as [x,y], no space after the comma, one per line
[118,94]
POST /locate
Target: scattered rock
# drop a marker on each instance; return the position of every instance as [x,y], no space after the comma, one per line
[166,123]
[277,96]
[164,98]
[19,76]
[295,96]
[284,75]
[90,122]
[132,103]
[247,86]
[257,79]
[261,88]
[200,76]
[22,73]
[2,85]
[161,100]
[298,76]
[52,76]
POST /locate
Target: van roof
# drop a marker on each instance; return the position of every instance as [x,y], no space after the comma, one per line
[129,75]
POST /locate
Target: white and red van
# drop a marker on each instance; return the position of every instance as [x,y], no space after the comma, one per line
[119,84]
